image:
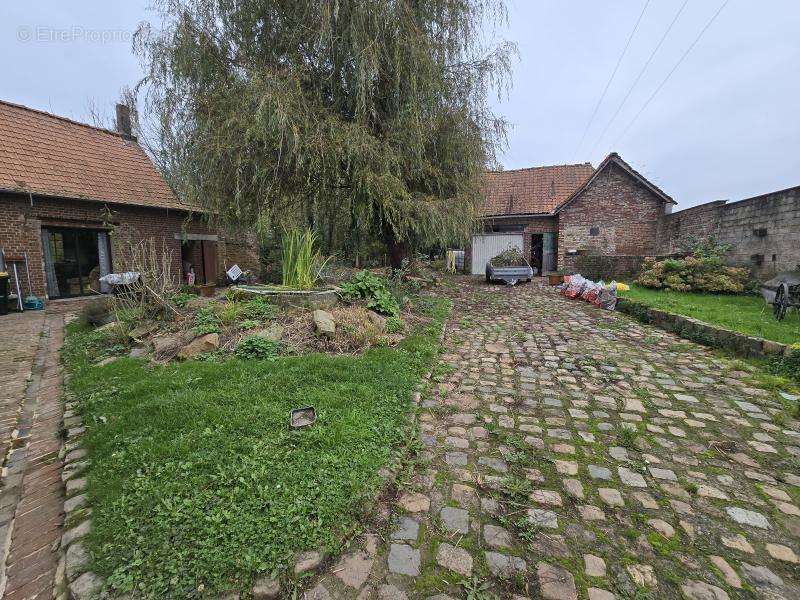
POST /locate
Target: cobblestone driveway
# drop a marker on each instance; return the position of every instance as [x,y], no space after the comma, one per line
[572,453]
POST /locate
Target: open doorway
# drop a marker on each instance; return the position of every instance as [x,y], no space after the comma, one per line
[199,261]
[537,252]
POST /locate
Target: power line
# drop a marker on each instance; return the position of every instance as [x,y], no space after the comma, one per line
[639,76]
[677,64]
[610,79]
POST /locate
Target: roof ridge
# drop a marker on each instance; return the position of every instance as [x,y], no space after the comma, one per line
[67,120]
[584,164]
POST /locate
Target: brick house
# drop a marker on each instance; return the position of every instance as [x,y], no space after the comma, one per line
[75,198]
[558,214]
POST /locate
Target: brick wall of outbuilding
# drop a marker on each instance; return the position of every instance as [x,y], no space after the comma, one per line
[22,219]
[625,213]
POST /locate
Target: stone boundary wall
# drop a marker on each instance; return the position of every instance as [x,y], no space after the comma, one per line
[764,231]
[702,333]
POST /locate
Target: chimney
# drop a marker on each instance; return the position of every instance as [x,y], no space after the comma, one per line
[124,120]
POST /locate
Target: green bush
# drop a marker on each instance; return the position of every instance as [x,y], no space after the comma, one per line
[394,325]
[694,274]
[181,299]
[374,289]
[258,309]
[786,365]
[255,347]
[206,321]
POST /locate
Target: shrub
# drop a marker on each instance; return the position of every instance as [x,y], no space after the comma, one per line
[258,309]
[694,274]
[374,289]
[182,298]
[254,347]
[394,325]
[786,365]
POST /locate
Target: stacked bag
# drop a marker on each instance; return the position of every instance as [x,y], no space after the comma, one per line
[597,293]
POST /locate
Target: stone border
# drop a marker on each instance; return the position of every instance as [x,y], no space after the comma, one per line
[74,581]
[701,332]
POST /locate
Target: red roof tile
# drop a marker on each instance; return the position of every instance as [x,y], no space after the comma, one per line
[49,155]
[536,190]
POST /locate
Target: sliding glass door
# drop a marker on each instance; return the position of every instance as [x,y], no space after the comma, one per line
[73,259]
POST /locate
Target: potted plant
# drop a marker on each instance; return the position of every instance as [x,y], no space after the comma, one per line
[556,277]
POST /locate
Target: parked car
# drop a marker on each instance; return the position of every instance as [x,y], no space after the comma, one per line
[782,292]
[509,266]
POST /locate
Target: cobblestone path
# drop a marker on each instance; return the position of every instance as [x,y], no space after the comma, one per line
[573,453]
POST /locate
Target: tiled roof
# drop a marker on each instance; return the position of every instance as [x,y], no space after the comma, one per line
[537,190]
[49,155]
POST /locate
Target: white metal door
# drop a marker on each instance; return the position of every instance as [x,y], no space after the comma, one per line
[486,246]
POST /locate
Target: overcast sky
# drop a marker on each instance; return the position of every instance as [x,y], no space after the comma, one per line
[725,125]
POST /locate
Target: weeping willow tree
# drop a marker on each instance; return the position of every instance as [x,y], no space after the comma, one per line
[368,112]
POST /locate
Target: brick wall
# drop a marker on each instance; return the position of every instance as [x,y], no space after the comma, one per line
[21,222]
[764,231]
[615,215]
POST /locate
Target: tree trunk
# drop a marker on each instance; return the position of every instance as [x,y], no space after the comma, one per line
[397,249]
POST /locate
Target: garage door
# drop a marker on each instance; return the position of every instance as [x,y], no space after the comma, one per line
[486,246]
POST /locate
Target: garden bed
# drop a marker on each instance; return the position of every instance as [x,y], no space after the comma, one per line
[196,483]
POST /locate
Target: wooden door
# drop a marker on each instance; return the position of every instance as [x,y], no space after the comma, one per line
[209,261]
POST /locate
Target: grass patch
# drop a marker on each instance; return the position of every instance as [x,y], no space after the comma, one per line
[745,314]
[196,481]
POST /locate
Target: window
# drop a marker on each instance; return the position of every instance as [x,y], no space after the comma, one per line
[594,231]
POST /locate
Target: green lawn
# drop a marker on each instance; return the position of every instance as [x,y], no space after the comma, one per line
[746,314]
[196,483]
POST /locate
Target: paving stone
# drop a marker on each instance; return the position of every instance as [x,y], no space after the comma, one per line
[497,537]
[307,561]
[354,568]
[574,488]
[318,592]
[600,594]
[631,478]
[497,464]
[266,588]
[414,502]
[761,576]
[699,590]
[454,558]
[404,560]
[598,472]
[594,566]
[731,577]
[555,582]
[737,542]
[781,552]
[504,566]
[591,513]
[748,517]
[455,519]
[707,491]
[643,575]
[662,527]
[665,474]
[391,592]
[543,518]
[406,529]
[547,497]
[611,496]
